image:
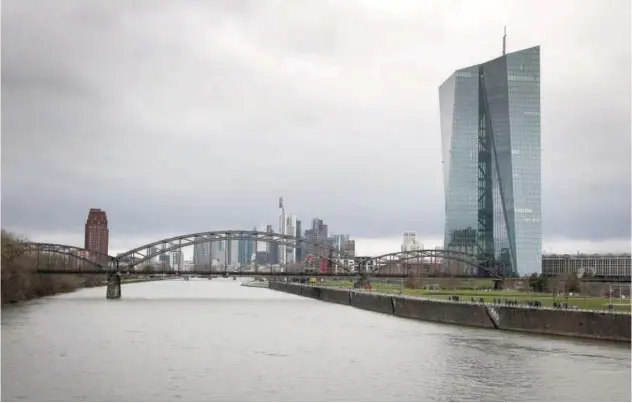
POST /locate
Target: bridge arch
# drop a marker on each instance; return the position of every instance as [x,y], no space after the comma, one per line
[143,253]
[101,260]
[394,258]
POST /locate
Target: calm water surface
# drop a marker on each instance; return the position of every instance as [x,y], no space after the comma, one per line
[214,340]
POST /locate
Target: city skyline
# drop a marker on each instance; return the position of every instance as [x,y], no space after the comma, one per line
[356,117]
[364,246]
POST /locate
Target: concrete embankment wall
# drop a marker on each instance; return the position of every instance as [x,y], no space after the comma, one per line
[443,312]
[594,325]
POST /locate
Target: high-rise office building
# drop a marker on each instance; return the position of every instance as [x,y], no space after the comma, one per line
[299,243]
[290,229]
[349,248]
[410,242]
[164,261]
[338,241]
[177,259]
[241,251]
[490,129]
[246,248]
[152,251]
[97,234]
[282,231]
[202,253]
[272,248]
[316,239]
[219,255]
[233,252]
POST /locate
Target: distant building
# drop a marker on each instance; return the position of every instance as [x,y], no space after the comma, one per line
[338,241]
[410,242]
[608,265]
[272,248]
[164,261]
[290,229]
[316,239]
[349,248]
[246,248]
[219,253]
[97,234]
[202,253]
[177,259]
[233,252]
[153,251]
[299,244]
[282,255]
[261,257]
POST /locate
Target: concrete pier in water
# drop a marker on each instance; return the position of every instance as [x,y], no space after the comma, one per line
[114,287]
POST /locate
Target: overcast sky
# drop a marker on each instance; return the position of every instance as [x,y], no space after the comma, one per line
[184,116]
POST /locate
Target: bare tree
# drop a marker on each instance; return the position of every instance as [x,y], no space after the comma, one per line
[20,280]
[413,281]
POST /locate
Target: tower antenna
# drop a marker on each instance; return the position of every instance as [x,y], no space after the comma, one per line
[505,41]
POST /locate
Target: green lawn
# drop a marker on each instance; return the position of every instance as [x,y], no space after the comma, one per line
[466,295]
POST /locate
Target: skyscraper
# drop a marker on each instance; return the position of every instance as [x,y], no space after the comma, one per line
[177,259]
[339,241]
[202,253]
[290,229]
[490,129]
[282,231]
[272,248]
[317,243]
[299,243]
[410,242]
[97,234]
[246,249]
[219,255]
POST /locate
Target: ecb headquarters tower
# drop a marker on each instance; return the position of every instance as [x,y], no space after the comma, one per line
[490,131]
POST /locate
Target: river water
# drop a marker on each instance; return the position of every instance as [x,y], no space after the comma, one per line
[214,340]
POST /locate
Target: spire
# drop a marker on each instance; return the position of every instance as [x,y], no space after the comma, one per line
[505,41]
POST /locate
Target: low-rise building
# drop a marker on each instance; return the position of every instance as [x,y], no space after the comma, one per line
[598,265]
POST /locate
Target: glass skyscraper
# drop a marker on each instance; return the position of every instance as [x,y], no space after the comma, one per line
[490,130]
[246,248]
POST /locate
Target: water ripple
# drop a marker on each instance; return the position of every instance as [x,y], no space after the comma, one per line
[214,340]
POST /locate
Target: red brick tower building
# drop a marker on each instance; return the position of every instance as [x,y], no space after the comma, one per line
[97,233]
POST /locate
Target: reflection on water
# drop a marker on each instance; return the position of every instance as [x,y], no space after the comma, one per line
[214,340]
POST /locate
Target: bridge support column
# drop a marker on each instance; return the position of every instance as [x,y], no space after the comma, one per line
[114,287]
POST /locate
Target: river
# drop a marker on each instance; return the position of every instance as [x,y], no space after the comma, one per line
[215,340]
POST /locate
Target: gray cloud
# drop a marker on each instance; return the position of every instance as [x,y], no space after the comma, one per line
[195,115]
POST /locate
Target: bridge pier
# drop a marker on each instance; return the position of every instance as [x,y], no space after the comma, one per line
[114,286]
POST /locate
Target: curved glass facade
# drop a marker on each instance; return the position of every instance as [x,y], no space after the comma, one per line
[490,128]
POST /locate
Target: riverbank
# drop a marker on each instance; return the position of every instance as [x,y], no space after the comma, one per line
[573,323]
[72,284]
[488,295]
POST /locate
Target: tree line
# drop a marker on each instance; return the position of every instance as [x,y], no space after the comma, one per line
[20,280]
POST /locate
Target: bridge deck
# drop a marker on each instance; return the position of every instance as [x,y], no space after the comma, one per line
[206,273]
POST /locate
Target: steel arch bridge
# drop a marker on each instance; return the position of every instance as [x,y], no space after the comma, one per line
[76,260]
[52,258]
[132,261]
[144,253]
[386,265]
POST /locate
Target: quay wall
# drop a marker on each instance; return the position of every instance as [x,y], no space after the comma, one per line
[573,323]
